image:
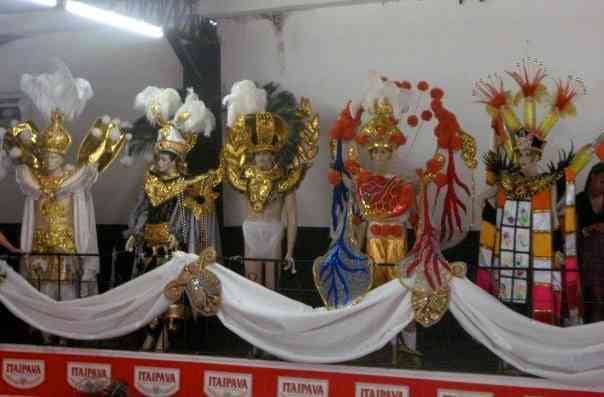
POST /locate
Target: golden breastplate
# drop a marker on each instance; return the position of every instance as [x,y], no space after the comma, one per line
[261,188]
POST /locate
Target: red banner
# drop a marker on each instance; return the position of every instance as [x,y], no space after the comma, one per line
[62,372]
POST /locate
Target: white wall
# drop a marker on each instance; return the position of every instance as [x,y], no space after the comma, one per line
[328,52]
[118,65]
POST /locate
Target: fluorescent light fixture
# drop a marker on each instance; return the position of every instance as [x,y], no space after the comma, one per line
[213,22]
[114,19]
[48,3]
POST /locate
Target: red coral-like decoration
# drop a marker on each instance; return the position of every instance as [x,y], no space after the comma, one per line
[334,177]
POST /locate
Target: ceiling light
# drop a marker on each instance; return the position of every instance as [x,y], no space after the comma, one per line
[114,19]
[48,3]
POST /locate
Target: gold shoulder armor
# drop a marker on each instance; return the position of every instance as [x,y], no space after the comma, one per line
[232,165]
[23,138]
[200,195]
[101,145]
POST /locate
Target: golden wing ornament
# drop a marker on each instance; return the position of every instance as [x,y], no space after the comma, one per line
[23,138]
[306,150]
[102,144]
[233,155]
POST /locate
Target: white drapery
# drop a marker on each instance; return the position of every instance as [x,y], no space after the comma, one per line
[297,332]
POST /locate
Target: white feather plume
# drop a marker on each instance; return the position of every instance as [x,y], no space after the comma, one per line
[245,98]
[200,117]
[57,91]
[380,90]
[164,100]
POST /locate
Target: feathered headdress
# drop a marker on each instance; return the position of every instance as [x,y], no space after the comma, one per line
[179,124]
[59,97]
[512,134]
[247,113]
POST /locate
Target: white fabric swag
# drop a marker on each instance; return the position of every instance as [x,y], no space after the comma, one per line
[297,332]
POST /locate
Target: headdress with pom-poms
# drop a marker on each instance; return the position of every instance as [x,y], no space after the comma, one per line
[384,103]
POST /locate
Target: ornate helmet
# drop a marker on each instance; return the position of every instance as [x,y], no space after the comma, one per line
[383,103]
[179,124]
[381,131]
[517,136]
[247,118]
[59,97]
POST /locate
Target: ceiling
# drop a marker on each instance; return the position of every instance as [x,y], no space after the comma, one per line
[18,6]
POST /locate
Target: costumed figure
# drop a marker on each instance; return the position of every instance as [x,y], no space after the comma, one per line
[270,145]
[376,216]
[59,214]
[176,210]
[522,208]
[590,227]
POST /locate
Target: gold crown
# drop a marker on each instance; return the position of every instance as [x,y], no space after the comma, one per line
[381,131]
[264,132]
[56,138]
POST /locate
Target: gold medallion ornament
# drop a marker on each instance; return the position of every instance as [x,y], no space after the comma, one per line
[429,306]
[202,287]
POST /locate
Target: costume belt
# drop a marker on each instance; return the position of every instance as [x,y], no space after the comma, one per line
[158,234]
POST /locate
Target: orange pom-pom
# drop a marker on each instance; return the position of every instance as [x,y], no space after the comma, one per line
[600,151]
[398,139]
[412,120]
[406,85]
[437,93]
[426,115]
[352,166]
[434,166]
[334,177]
[423,86]
[361,139]
[440,179]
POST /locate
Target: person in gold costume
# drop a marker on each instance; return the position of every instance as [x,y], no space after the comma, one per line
[176,210]
[59,214]
[266,157]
